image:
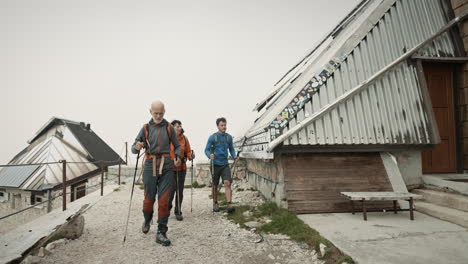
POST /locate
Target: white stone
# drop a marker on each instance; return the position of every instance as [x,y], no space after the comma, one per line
[322,249]
[271,256]
[247,214]
[43,252]
[253,224]
[31,260]
[55,244]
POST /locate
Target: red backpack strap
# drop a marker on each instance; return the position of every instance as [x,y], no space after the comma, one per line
[145,129]
[169,131]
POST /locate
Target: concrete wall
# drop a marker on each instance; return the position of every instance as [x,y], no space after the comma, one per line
[267,176]
[410,165]
[460,6]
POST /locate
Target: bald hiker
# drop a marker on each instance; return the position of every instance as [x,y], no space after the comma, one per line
[156,137]
[216,150]
[181,171]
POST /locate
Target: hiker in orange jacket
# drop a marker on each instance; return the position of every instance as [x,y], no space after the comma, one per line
[180,171]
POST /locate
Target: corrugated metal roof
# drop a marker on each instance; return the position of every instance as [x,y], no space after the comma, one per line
[15,176]
[333,48]
[391,110]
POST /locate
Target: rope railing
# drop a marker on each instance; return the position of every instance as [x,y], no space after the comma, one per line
[28,164]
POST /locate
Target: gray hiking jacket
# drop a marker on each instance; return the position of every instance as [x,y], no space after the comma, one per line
[158,138]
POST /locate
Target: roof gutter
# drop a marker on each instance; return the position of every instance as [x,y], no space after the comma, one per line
[272,145]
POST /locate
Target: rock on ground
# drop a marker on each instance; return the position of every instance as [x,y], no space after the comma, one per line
[73,229]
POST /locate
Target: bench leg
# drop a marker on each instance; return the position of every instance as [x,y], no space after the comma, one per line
[364,211]
[352,206]
[411,208]
[395,206]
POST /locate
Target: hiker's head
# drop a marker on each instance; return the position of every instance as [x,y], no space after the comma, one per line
[177,126]
[157,111]
[221,124]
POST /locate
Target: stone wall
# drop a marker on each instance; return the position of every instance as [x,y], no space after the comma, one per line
[267,176]
[203,172]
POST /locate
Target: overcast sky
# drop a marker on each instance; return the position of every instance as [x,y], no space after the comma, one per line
[103,62]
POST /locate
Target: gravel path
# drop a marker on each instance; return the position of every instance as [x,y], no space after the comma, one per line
[203,237]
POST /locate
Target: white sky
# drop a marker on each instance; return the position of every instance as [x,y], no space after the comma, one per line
[103,62]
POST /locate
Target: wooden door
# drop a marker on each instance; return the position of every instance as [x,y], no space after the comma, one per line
[441,159]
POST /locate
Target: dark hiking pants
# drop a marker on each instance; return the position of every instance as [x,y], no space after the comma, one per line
[160,185]
[178,191]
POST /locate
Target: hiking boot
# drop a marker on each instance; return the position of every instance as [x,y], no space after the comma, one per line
[179,217]
[147,223]
[215,207]
[230,207]
[162,239]
[145,227]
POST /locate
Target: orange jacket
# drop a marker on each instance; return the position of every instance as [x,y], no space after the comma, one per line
[185,151]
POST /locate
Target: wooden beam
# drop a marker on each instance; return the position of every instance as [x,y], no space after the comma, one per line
[441,59]
[427,103]
[257,155]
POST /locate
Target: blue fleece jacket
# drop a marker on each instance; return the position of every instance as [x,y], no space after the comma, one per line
[220,148]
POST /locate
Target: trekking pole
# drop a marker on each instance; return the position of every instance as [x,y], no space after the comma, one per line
[191,185]
[178,190]
[131,196]
[234,165]
[213,189]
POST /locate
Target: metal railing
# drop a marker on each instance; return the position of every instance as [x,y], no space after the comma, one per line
[101,164]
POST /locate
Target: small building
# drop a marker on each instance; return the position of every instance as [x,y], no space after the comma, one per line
[59,139]
[377,104]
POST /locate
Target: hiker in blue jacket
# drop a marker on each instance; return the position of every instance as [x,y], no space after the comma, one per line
[217,151]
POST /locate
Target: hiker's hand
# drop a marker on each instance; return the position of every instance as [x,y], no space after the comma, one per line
[177,162]
[211,156]
[139,145]
[193,156]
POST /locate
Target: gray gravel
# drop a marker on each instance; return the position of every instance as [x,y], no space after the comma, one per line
[203,237]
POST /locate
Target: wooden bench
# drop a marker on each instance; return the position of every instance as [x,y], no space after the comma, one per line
[381,196]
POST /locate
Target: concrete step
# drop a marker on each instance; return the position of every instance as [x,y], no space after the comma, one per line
[448,214]
[451,200]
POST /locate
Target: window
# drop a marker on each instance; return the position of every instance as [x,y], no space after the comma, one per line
[35,199]
[3,196]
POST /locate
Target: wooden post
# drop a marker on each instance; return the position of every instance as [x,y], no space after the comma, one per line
[120,165]
[364,211]
[395,206]
[102,178]
[49,200]
[411,208]
[64,185]
[352,206]
[126,153]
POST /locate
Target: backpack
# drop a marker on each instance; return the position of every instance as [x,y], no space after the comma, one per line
[229,139]
[168,129]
